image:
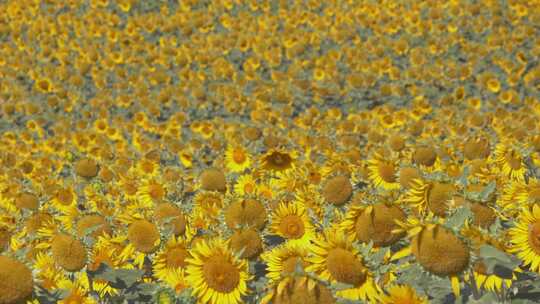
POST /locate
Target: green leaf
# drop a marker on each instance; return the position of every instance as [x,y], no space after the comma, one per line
[462,180]
[488,190]
[460,216]
[487,298]
[498,262]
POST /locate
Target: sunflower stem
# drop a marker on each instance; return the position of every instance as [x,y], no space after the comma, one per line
[474,288]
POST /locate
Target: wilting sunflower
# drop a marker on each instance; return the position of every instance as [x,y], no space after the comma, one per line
[276,160]
[216,274]
[336,260]
[383,173]
[510,161]
[283,260]
[525,237]
[237,159]
[402,294]
[437,249]
[291,222]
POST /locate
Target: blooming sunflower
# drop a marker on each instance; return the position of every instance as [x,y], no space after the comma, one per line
[237,159]
[335,259]
[510,161]
[276,160]
[245,185]
[402,294]
[169,265]
[284,260]
[525,237]
[291,221]
[383,173]
[151,192]
[216,274]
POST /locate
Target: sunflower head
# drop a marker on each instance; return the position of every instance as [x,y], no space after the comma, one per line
[425,156]
[277,160]
[97,223]
[215,273]
[68,252]
[86,168]
[247,241]
[170,216]
[337,190]
[525,237]
[144,236]
[248,212]
[17,282]
[375,223]
[299,289]
[440,251]
[213,179]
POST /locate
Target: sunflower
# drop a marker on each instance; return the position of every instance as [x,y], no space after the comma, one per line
[397,294]
[299,289]
[64,198]
[335,259]
[245,185]
[525,237]
[510,161]
[245,212]
[170,263]
[291,221]
[430,196]
[216,274]
[237,159]
[151,192]
[383,173]
[374,223]
[277,160]
[284,259]
[17,281]
[437,249]
[209,202]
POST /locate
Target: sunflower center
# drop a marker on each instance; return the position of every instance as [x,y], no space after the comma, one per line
[239,156]
[534,195]
[345,267]
[220,274]
[176,258]
[387,172]
[534,236]
[438,196]
[513,160]
[292,226]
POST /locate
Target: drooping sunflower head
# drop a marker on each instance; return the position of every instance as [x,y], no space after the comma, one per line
[17,281]
[247,212]
[337,190]
[213,179]
[424,155]
[277,160]
[299,289]
[86,168]
[374,223]
[94,225]
[432,196]
[144,236]
[440,251]
[216,274]
[248,242]
[171,217]
[68,252]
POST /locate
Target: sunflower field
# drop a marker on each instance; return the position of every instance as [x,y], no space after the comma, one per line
[269,151]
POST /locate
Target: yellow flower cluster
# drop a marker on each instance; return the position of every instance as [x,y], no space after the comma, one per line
[272,151]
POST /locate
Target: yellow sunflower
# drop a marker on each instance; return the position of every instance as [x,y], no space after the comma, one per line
[169,265]
[216,274]
[510,161]
[245,185]
[525,237]
[383,173]
[335,259]
[298,289]
[284,259]
[291,222]
[151,192]
[430,196]
[402,294]
[276,160]
[237,159]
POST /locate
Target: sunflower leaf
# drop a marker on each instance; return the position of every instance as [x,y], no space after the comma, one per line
[488,190]
[460,216]
[498,262]
[341,286]
[462,180]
